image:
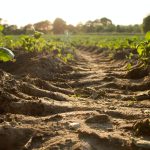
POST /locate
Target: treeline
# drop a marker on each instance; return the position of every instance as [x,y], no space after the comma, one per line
[104,25]
[59,26]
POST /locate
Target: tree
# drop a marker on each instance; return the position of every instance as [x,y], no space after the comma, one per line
[137,28]
[110,28]
[99,25]
[28,29]
[146,24]
[71,28]
[80,27]
[105,21]
[119,28]
[10,29]
[1,20]
[89,27]
[99,28]
[59,26]
[43,26]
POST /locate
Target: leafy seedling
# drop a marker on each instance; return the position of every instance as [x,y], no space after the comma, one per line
[6,54]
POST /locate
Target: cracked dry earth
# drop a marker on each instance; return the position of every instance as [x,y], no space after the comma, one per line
[89,106]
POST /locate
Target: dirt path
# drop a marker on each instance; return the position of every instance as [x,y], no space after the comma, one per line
[91,107]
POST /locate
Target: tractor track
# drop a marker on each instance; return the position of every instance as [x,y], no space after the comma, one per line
[90,105]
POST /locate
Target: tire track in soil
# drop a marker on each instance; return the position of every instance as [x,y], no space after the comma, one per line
[92,107]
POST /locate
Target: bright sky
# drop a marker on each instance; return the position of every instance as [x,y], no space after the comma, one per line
[124,12]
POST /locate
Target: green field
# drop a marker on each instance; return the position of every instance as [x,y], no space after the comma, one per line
[60,43]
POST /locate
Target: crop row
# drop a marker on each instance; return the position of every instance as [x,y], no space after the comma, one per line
[64,46]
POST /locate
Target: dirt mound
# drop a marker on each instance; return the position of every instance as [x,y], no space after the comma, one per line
[142,127]
[123,54]
[42,65]
[14,137]
[138,73]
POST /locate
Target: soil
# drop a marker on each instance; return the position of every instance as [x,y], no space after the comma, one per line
[92,103]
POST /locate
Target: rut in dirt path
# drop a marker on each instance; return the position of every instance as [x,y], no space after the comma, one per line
[90,106]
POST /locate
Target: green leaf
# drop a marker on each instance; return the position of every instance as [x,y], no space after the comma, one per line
[65,59]
[130,55]
[37,34]
[59,55]
[6,54]
[129,66]
[147,36]
[1,28]
[140,51]
[69,56]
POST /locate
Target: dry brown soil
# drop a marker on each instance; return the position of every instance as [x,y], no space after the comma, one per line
[88,104]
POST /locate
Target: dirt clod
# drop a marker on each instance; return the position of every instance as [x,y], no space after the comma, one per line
[142,127]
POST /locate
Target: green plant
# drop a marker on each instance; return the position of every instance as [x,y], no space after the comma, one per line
[143,50]
[6,54]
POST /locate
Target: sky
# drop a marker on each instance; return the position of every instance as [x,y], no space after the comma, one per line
[122,12]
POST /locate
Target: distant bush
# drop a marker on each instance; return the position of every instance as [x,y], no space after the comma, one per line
[146,24]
